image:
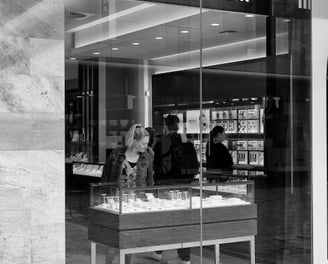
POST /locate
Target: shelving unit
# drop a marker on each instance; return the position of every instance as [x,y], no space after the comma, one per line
[244,124]
[81,122]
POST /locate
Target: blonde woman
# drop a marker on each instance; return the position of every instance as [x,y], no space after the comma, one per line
[130,166]
[133,165]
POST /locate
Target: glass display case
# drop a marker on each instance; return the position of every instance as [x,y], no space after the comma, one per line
[114,199]
[146,219]
[92,169]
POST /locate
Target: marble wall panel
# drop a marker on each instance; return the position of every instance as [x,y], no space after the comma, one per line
[32,162]
[32,18]
[15,54]
[47,57]
[25,131]
[27,93]
[47,244]
[34,170]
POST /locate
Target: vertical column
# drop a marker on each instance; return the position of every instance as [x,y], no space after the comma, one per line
[32,182]
[319,129]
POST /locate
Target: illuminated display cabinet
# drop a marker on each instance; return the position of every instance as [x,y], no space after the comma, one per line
[167,217]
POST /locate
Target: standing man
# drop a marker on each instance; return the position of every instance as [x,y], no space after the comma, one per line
[175,162]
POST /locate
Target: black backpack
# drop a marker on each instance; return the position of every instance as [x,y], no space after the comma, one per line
[179,162]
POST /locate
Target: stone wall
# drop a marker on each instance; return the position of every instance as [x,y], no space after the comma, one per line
[32,181]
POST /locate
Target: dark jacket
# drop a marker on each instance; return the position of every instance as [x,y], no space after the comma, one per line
[218,157]
[113,168]
[175,159]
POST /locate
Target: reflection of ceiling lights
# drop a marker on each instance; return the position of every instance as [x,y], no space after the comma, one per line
[135,43]
[157,14]
[184,31]
[111,17]
[114,48]
[96,53]
[227,53]
[215,24]
[159,38]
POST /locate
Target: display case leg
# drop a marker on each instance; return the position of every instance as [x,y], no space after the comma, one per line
[110,255]
[125,258]
[217,253]
[252,249]
[93,253]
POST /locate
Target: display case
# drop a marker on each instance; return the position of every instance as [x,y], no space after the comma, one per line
[167,217]
[113,199]
[91,169]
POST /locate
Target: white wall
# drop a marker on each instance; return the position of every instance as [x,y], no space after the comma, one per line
[319,133]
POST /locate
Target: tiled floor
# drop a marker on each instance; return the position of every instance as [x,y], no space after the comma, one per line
[284,232]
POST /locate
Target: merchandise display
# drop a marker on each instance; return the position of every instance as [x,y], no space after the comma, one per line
[146,219]
[88,169]
[151,199]
[244,128]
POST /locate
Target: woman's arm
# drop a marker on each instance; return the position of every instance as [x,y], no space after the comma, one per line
[150,173]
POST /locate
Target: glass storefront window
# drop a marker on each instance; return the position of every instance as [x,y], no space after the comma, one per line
[234,66]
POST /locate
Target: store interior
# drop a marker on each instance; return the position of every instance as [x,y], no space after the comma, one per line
[131,61]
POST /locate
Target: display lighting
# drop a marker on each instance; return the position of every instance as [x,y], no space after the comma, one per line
[72,58]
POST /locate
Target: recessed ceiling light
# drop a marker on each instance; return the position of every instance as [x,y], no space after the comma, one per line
[114,48]
[135,43]
[72,58]
[249,15]
[215,24]
[286,20]
[184,31]
[159,38]
[96,53]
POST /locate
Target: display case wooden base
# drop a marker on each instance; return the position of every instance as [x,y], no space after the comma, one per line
[145,232]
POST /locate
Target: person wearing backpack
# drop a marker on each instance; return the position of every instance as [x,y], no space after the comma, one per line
[175,158]
[175,162]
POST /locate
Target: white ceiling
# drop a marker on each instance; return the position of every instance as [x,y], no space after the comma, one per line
[129,21]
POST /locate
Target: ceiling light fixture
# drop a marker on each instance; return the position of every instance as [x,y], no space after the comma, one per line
[159,38]
[115,49]
[249,15]
[135,43]
[72,58]
[184,31]
[96,53]
[215,24]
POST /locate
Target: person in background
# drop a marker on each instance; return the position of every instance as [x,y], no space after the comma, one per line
[152,133]
[217,155]
[166,170]
[130,167]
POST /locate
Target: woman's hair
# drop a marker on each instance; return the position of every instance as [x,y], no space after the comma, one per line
[136,132]
[216,130]
[151,131]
